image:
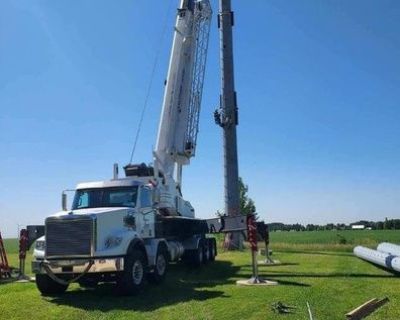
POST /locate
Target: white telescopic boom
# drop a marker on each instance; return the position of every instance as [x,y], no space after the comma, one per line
[178,127]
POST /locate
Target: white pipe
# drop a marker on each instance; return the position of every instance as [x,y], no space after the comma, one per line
[390,248]
[385,260]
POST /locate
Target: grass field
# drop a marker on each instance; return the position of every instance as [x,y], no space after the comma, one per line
[316,268]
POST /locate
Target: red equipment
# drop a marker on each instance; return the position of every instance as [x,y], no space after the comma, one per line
[23,248]
[5,271]
[252,232]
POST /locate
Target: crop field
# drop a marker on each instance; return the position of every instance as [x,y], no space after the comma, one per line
[317,267]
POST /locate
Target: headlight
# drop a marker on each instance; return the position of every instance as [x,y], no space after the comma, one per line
[112,242]
[40,245]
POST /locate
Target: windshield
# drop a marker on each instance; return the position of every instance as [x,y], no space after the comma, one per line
[106,197]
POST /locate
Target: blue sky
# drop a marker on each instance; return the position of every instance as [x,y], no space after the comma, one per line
[318,91]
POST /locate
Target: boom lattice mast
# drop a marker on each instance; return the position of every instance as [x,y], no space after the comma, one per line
[178,128]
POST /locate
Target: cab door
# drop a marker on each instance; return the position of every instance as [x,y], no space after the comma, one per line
[146,213]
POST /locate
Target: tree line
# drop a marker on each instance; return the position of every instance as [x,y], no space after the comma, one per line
[387,224]
[247,206]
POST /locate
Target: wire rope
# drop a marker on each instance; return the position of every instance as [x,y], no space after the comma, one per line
[152,74]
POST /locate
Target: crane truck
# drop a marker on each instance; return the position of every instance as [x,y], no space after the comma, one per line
[127,230]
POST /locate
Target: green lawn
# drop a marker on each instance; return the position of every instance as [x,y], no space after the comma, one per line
[352,237]
[322,272]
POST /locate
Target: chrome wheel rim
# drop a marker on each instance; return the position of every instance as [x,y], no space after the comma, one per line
[161,264]
[137,272]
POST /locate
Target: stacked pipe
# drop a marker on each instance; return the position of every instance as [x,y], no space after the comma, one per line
[387,255]
[390,248]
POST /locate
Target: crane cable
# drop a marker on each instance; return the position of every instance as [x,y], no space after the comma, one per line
[155,63]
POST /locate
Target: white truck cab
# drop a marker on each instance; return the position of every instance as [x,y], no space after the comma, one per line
[115,231]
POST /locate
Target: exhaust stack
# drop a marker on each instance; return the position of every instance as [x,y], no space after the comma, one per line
[115,171]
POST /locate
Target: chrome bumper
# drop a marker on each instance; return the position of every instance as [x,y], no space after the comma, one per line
[78,266]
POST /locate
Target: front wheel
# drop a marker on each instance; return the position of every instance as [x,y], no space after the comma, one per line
[48,286]
[131,281]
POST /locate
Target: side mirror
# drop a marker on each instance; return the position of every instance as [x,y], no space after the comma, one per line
[64,201]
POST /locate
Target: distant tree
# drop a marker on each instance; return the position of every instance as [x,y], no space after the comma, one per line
[311,227]
[274,226]
[379,225]
[386,224]
[329,226]
[297,227]
[247,205]
[340,226]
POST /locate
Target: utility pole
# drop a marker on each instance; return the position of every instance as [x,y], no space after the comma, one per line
[227,118]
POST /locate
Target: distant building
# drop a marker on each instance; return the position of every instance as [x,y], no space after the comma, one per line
[358,227]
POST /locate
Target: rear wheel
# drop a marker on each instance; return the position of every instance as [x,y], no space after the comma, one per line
[206,251]
[196,257]
[48,286]
[212,248]
[131,281]
[161,267]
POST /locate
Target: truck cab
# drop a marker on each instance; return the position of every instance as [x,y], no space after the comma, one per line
[115,231]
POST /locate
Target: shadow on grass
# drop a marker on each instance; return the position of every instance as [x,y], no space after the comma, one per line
[182,284]
[293,283]
[280,264]
[7,281]
[326,275]
[339,254]
[390,271]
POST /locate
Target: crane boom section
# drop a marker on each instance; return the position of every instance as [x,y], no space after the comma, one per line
[178,127]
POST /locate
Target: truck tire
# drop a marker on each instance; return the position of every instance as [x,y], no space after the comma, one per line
[206,251]
[161,267]
[196,257]
[213,248]
[48,286]
[131,280]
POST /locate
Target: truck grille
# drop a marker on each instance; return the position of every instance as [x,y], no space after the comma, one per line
[69,236]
